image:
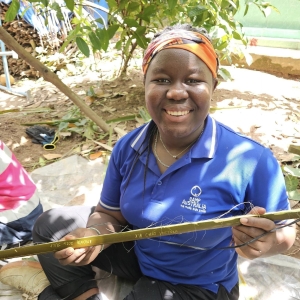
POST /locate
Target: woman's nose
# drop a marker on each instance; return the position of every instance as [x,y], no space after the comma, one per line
[177,92]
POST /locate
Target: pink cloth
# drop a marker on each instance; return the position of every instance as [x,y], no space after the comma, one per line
[17,190]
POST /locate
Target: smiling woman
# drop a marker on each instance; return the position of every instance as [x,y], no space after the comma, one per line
[182,166]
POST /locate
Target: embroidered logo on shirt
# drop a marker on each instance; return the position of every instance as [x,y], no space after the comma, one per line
[193,203]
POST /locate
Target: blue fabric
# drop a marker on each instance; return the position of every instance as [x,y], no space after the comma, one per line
[26,11]
[224,173]
[97,13]
[21,229]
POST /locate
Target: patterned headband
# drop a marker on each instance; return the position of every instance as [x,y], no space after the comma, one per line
[187,40]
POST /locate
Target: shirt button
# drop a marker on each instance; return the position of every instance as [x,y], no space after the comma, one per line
[159,183]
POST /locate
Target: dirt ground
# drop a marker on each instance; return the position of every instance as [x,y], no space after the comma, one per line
[262,106]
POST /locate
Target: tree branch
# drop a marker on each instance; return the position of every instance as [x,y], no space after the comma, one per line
[52,77]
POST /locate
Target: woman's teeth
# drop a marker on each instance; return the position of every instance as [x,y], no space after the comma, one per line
[177,113]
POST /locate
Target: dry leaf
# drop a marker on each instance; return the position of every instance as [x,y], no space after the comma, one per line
[76,150]
[119,94]
[96,155]
[52,156]
[121,132]
[23,140]
[67,133]
[87,146]
[98,92]
[107,147]
[89,100]
[106,95]
[108,109]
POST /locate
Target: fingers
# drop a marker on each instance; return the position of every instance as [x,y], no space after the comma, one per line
[254,236]
[74,256]
[79,256]
[257,222]
[246,235]
[257,210]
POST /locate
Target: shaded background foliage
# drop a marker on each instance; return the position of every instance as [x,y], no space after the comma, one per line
[134,22]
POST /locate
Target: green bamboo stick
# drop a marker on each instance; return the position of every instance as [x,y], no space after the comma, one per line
[144,233]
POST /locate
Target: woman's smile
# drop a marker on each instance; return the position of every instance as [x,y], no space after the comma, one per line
[177,113]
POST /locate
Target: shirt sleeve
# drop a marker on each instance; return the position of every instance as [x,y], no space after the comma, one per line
[266,187]
[110,194]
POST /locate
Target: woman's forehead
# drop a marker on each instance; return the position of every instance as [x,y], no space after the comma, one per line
[177,58]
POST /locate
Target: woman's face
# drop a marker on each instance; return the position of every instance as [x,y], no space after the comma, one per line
[178,90]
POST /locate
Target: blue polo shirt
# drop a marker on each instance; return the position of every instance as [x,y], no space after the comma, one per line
[222,175]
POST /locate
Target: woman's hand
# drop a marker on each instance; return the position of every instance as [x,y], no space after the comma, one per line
[79,256]
[251,228]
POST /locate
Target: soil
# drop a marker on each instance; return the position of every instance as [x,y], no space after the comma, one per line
[260,105]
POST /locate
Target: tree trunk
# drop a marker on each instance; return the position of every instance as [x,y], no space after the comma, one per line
[51,77]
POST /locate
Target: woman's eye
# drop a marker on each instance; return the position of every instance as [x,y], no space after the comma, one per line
[162,80]
[193,80]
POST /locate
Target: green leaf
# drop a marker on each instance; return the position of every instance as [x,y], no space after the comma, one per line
[292,171]
[12,11]
[132,6]
[118,45]
[62,126]
[70,37]
[83,46]
[147,13]
[144,114]
[246,10]
[141,30]
[141,40]
[112,3]
[127,45]
[111,30]
[294,195]
[55,6]
[99,20]
[42,162]
[45,2]
[224,4]
[122,4]
[70,4]
[172,4]
[121,119]
[89,132]
[225,74]
[237,35]
[95,41]
[291,183]
[131,22]
[197,10]
[222,45]
[102,34]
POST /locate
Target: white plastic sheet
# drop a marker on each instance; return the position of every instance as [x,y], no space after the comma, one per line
[71,181]
[272,278]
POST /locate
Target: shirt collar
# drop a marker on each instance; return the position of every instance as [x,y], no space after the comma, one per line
[204,147]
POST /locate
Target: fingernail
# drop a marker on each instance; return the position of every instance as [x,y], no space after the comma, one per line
[244,220]
[69,251]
